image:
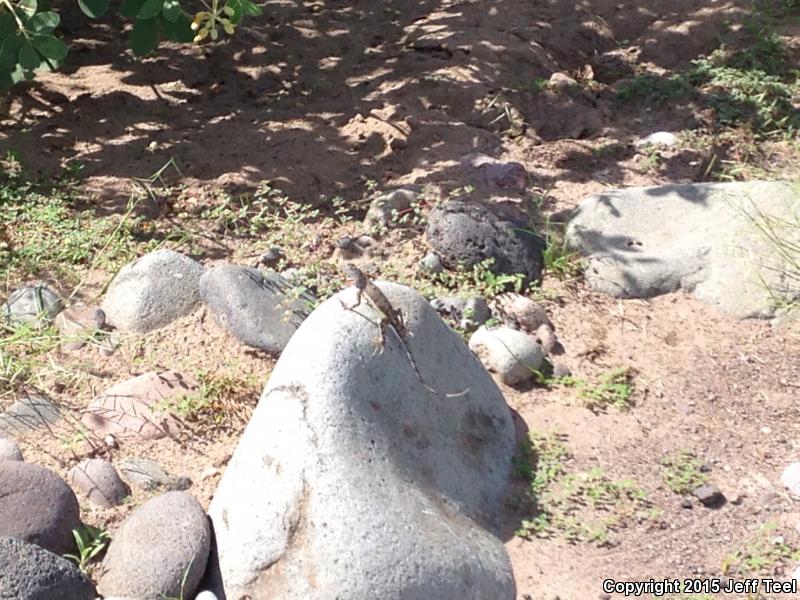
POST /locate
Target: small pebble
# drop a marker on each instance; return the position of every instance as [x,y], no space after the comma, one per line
[561,370]
[271,256]
[687,503]
[709,495]
[431,263]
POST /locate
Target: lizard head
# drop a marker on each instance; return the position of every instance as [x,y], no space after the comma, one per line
[354,275]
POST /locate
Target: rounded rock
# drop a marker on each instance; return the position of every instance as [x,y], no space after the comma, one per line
[32,304]
[515,356]
[99,480]
[468,234]
[28,572]
[153,291]
[37,506]
[160,550]
[9,450]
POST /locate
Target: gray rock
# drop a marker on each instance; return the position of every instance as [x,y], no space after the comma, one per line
[520,312]
[148,475]
[353,480]
[33,412]
[546,338]
[469,313]
[36,304]
[710,495]
[561,370]
[79,324]
[383,209]
[431,263]
[501,173]
[702,238]
[512,354]
[165,539]
[153,291]
[28,572]
[256,308]
[9,450]
[37,506]
[99,480]
[561,80]
[272,256]
[467,234]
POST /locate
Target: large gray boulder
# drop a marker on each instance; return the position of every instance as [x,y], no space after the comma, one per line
[160,551]
[37,506]
[28,572]
[354,480]
[153,291]
[727,243]
[255,307]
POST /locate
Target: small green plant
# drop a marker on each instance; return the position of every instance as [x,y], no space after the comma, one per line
[480,280]
[90,541]
[682,472]
[220,400]
[558,258]
[653,89]
[761,554]
[584,506]
[45,230]
[614,388]
[23,349]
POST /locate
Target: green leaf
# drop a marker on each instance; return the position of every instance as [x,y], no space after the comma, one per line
[150,9]
[28,57]
[27,7]
[94,8]
[144,37]
[44,22]
[10,51]
[238,12]
[178,31]
[251,8]
[7,25]
[50,47]
[172,10]
[130,8]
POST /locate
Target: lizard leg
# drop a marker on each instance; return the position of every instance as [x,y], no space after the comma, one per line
[381,339]
[355,304]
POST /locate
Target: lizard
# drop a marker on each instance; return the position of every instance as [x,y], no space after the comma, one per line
[390,317]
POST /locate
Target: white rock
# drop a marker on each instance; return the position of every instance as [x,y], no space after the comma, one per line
[512,354]
[353,480]
[659,138]
[791,478]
